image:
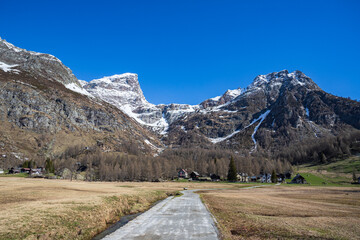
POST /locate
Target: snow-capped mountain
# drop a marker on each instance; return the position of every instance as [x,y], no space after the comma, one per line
[276,109]
[124,92]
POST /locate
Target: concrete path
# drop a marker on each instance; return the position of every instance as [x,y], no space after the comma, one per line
[183,217]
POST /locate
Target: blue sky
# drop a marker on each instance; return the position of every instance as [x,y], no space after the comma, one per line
[187,51]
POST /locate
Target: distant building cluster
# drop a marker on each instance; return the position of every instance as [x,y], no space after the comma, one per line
[241,177]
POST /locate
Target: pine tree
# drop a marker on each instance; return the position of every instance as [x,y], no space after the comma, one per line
[49,166]
[354,177]
[232,174]
[323,158]
[273,177]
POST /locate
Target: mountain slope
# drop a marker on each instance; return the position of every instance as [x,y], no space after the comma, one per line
[44,110]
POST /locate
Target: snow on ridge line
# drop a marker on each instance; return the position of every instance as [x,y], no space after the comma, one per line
[75,88]
[115,76]
[8,68]
[42,55]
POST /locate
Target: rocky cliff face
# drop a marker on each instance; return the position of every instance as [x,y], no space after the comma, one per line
[41,99]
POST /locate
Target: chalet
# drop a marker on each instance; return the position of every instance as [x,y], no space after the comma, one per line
[298,179]
[266,178]
[242,177]
[194,175]
[36,172]
[182,173]
[214,177]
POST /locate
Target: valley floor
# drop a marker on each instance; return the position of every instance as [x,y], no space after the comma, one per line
[60,209]
[286,212]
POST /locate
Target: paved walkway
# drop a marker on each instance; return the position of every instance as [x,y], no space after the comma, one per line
[183,217]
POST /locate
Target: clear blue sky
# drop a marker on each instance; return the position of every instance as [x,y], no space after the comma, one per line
[187,51]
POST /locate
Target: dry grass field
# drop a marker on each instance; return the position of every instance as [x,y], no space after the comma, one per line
[283,212]
[60,209]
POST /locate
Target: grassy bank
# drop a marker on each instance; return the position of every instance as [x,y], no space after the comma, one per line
[280,212]
[337,173]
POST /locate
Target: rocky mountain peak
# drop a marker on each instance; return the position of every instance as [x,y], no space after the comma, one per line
[36,64]
[121,90]
[276,80]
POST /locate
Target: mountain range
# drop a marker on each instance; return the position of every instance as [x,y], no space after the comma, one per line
[44,109]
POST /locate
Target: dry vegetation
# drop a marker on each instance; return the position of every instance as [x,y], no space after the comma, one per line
[287,212]
[60,209]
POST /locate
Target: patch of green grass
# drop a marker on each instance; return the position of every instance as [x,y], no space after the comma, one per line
[111,199]
[181,180]
[84,208]
[126,186]
[313,179]
[20,175]
[347,165]
[318,179]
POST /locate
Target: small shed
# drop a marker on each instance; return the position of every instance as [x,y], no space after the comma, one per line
[253,179]
[280,177]
[194,175]
[25,170]
[298,179]
[182,173]
[214,177]
[1,171]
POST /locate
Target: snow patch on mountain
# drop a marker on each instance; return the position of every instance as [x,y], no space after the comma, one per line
[9,68]
[75,88]
[233,93]
[153,147]
[221,139]
[261,118]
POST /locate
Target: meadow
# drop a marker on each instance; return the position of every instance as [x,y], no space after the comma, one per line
[62,209]
[285,212]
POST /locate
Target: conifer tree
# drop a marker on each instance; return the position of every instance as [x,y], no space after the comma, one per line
[273,177]
[354,177]
[232,174]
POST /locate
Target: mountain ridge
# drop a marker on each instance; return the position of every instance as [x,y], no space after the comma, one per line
[276,110]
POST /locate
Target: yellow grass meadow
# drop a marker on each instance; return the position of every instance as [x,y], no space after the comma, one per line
[286,212]
[61,209]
